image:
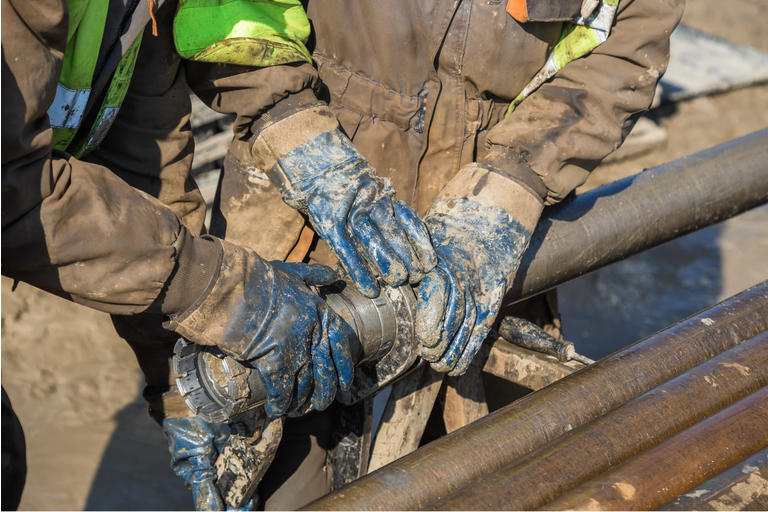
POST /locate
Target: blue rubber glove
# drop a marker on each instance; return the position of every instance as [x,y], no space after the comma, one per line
[266,315]
[480,224]
[194,445]
[321,174]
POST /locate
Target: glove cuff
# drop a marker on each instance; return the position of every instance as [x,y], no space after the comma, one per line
[508,163]
[277,138]
[236,307]
[488,187]
[299,151]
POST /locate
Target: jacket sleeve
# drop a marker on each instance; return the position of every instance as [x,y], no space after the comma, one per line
[251,92]
[565,128]
[70,227]
[266,69]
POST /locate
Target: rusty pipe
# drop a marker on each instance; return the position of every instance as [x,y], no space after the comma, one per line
[559,466]
[447,463]
[618,220]
[742,487]
[695,455]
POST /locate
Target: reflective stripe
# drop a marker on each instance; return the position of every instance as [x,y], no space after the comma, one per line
[118,87]
[101,129]
[68,107]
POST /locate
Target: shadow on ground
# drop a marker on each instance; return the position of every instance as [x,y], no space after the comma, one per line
[133,473]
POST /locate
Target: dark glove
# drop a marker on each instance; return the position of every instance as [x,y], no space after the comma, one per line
[266,314]
[194,445]
[480,225]
[321,174]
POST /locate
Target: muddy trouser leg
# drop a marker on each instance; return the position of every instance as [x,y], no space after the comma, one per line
[14,457]
[248,211]
[150,147]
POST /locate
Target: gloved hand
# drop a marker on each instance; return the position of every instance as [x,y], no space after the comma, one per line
[265,314]
[194,445]
[321,174]
[480,225]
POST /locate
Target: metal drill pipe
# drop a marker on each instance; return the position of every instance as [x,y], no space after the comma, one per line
[618,220]
[652,478]
[559,466]
[742,487]
[446,464]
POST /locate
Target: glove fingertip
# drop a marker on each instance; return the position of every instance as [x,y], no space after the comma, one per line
[428,259]
[432,297]
[323,276]
[469,353]
[439,366]
[396,273]
[368,287]
[355,266]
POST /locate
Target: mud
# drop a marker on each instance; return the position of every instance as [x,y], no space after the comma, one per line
[76,386]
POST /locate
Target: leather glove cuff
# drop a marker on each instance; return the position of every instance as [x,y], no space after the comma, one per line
[507,162]
[235,308]
[197,261]
[288,106]
[488,187]
[304,149]
[276,138]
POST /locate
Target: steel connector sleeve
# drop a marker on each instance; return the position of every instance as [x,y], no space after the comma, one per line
[618,220]
[448,463]
[561,465]
[693,456]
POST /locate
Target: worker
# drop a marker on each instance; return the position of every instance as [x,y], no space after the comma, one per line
[98,205]
[480,113]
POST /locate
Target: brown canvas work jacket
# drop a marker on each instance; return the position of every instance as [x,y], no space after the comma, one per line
[422,89]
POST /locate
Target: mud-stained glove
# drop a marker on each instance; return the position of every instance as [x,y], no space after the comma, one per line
[266,314]
[194,445]
[480,225]
[321,174]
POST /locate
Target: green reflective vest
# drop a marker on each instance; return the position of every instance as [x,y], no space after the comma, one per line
[245,32]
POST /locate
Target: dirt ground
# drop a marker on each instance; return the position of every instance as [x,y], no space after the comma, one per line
[76,387]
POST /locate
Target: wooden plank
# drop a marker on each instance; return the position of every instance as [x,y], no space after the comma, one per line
[464,399]
[405,416]
[521,366]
